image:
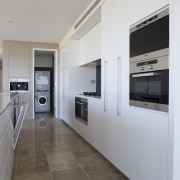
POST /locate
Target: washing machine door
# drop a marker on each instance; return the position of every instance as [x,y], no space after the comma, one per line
[42,100]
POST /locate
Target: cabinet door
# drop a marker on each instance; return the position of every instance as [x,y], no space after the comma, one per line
[64,55]
[64,93]
[89,46]
[140,9]
[115,54]
[18,61]
[8,153]
[5,150]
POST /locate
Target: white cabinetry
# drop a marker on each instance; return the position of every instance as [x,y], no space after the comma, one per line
[140,9]
[6,143]
[115,58]
[7,152]
[64,79]
[19,61]
[12,114]
[139,137]
[65,93]
[64,55]
[135,140]
[147,144]
[73,79]
[90,46]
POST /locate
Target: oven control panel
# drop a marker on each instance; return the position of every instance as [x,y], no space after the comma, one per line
[155,64]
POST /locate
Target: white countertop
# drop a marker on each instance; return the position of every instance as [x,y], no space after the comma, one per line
[5,100]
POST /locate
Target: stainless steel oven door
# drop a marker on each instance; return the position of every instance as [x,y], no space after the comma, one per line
[150,90]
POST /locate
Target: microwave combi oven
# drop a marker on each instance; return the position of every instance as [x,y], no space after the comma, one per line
[149,65]
[18,84]
[150,38]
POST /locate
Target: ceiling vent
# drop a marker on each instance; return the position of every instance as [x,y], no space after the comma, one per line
[87,13]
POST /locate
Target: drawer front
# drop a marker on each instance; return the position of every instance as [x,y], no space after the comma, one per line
[5,144]
[5,117]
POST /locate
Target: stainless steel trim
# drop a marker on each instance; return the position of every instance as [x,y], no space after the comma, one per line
[150,20]
[81,103]
[152,55]
[145,74]
[20,91]
[18,79]
[162,63]
[149,105]
[44,98]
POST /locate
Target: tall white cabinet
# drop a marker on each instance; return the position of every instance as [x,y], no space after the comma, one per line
[115,60]
[19,57]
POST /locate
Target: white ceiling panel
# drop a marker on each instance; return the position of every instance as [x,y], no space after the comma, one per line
[38,20]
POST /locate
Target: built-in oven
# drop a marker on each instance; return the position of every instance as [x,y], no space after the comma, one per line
[18,84]
[149,66]
[81,109]
[149,84]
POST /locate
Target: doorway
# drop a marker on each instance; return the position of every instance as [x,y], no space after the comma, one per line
[45,81]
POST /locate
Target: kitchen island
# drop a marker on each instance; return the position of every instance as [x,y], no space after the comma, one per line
[6,134]
[11,117]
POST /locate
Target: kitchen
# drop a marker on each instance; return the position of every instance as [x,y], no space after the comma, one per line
[137,141]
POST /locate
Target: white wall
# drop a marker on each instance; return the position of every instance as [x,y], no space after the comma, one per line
[43,61]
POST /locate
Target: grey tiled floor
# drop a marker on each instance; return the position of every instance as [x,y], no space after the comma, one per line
[48,149]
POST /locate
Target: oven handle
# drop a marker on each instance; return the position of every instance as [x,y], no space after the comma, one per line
[81,103]
[145,74]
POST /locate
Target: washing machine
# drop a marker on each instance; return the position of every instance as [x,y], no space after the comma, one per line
[42,101]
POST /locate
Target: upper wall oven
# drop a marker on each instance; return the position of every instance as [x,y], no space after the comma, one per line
[150,38]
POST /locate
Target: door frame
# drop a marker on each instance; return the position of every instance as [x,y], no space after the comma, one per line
[56,103]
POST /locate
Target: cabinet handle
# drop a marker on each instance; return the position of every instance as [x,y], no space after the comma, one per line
[118,86]
[105,86]
[64,83]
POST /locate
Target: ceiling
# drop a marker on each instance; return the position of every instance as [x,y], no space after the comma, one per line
[39,20]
